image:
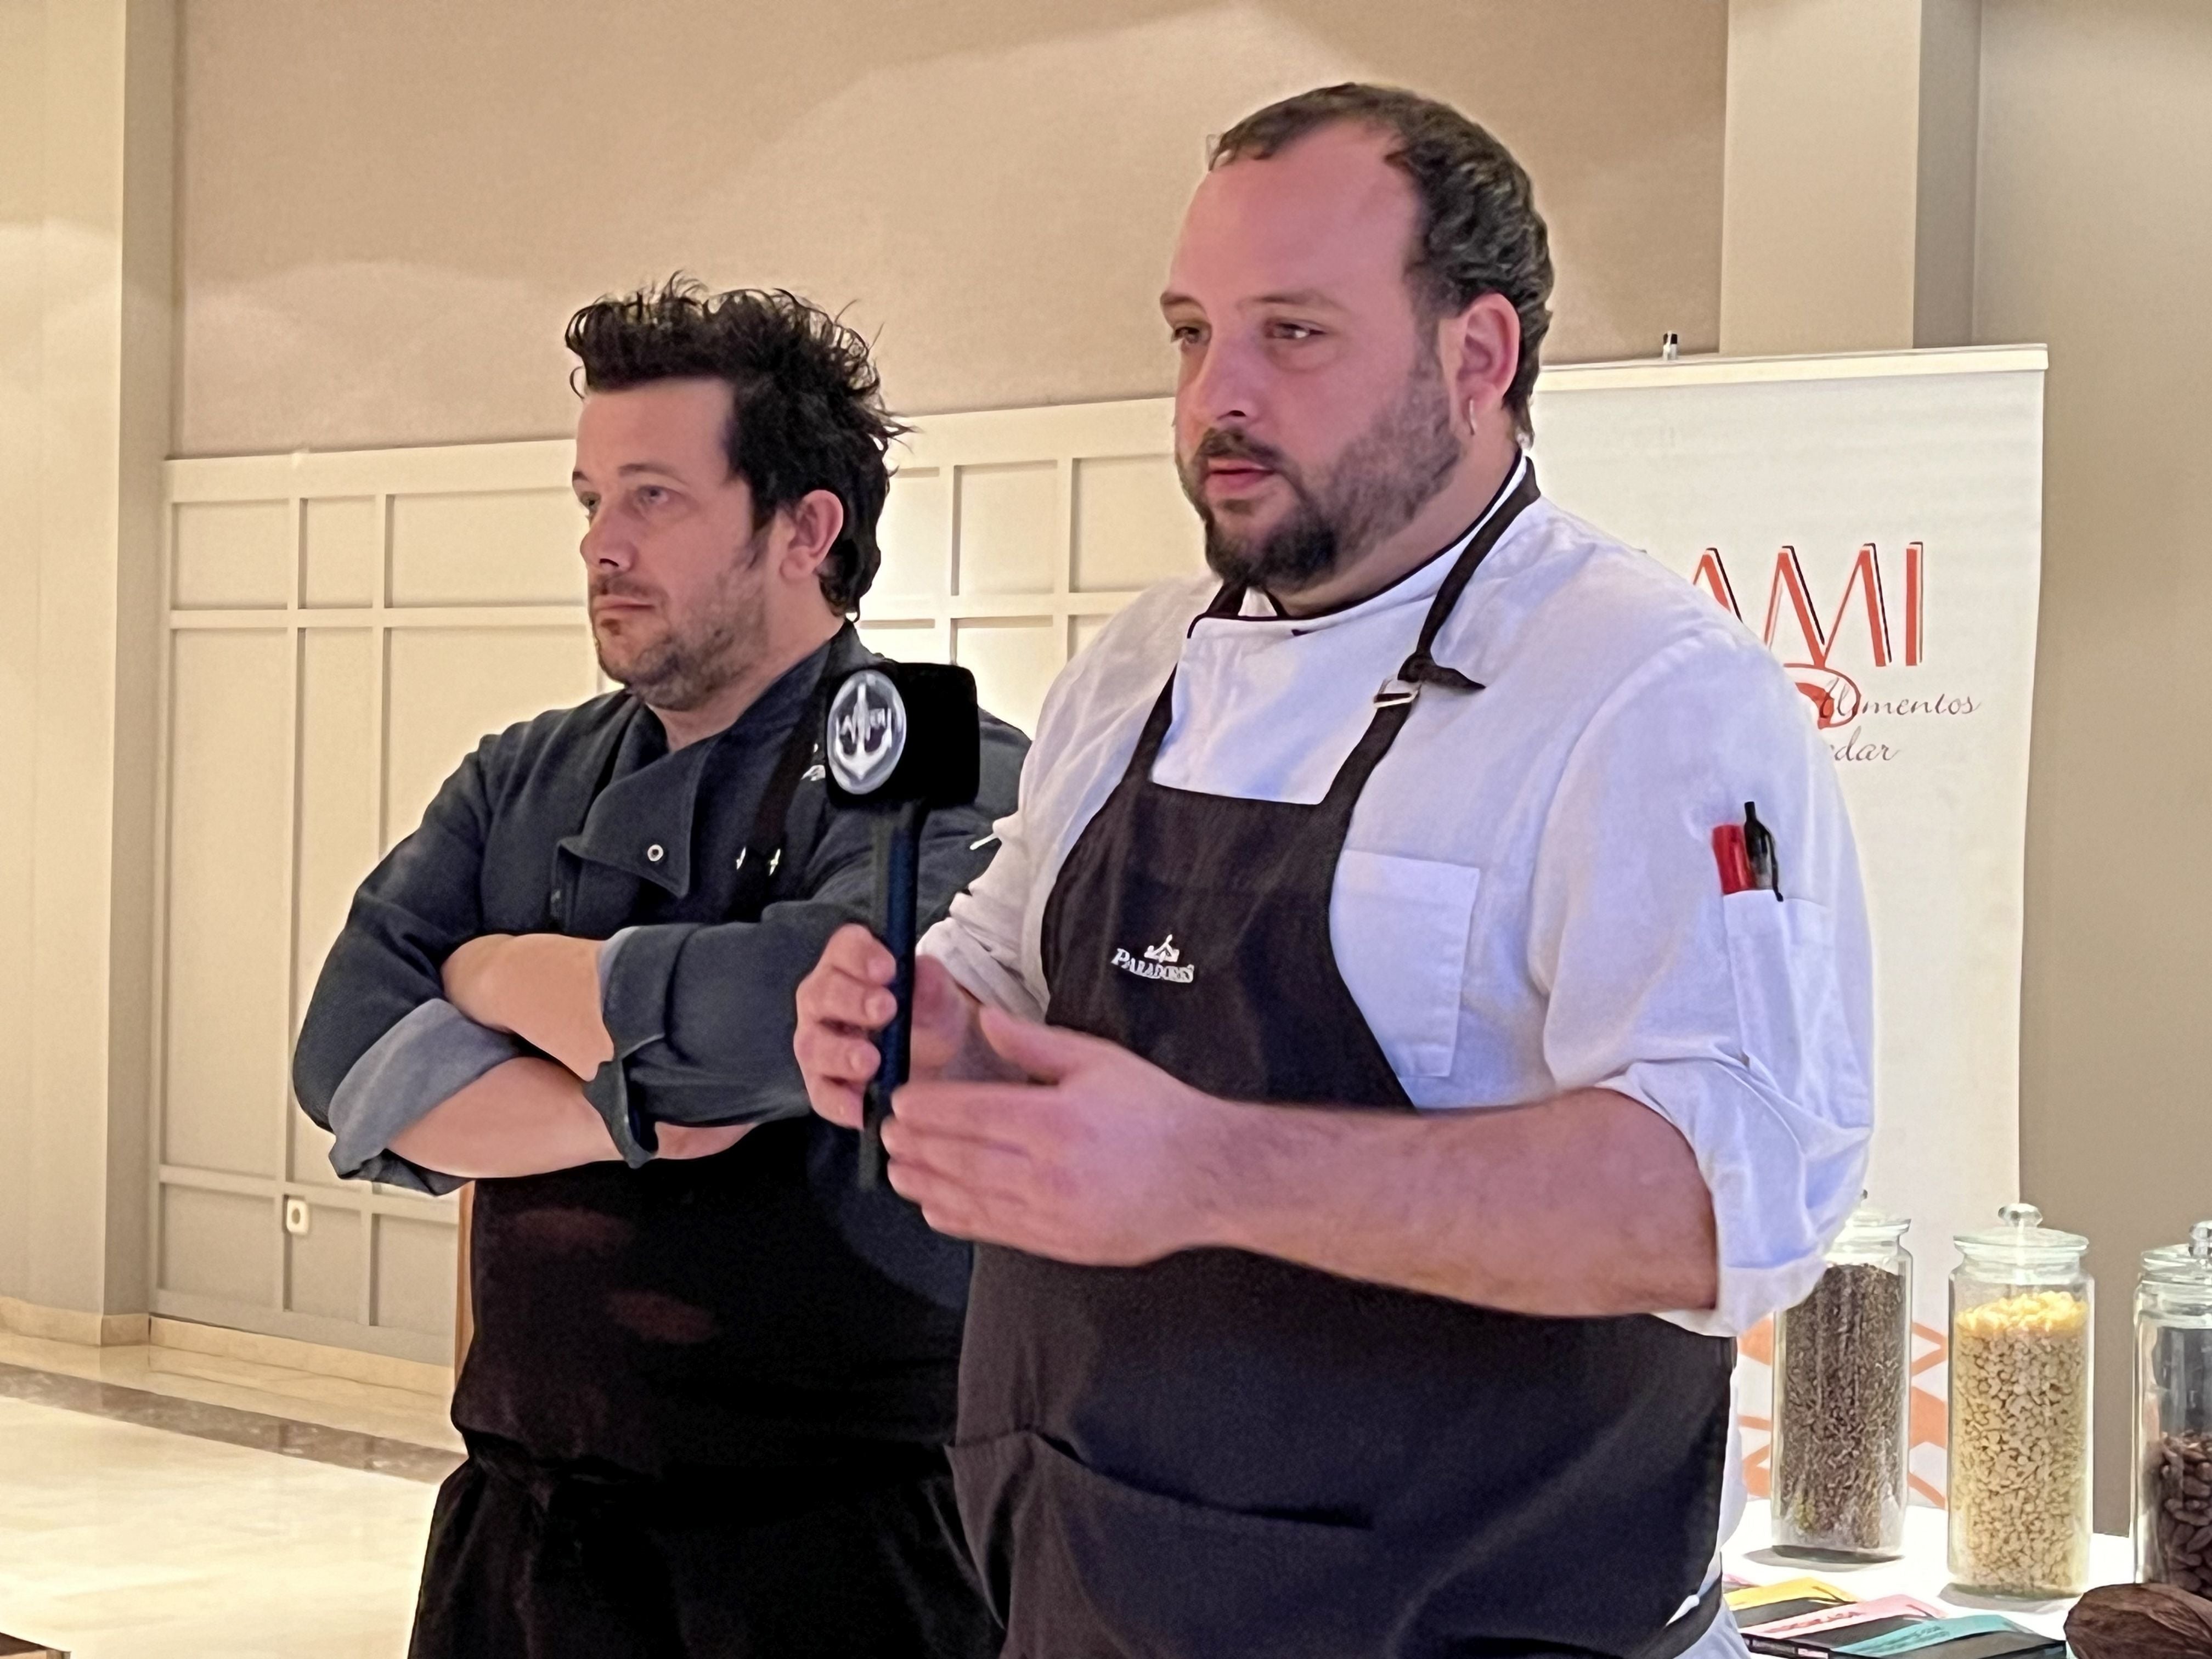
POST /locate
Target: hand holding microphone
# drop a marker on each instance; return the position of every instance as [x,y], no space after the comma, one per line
[902,741]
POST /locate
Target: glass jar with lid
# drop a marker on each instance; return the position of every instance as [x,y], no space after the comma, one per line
[2021,1312]
[1843,1398]
[2174,1415]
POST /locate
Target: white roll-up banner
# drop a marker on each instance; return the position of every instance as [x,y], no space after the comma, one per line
[1877,521]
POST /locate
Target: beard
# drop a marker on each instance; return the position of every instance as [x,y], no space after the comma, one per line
[1372,490]
[698,650]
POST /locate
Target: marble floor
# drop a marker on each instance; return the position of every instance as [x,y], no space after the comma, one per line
[157,1503]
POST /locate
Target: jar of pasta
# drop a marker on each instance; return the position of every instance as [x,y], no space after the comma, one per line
[2019,1409]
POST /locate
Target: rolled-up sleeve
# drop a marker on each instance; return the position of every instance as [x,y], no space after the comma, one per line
[433,1054]
[1746,1022]
[380,1046]
[702,1016]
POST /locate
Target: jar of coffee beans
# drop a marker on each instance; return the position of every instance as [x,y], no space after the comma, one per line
[2019,1409]
[1843,1398]
[2173,1417]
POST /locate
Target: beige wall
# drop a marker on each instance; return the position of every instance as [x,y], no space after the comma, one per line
[2096,235]
[388,211]
[22,44]
[86,259]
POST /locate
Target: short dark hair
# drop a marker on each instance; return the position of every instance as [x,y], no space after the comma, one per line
[1479,231]
[806,408]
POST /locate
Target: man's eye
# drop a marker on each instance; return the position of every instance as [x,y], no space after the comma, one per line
[1185,334]
[590,504]
[1293,331]
[652,494]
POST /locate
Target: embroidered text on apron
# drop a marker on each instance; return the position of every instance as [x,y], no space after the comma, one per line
[1223,1453]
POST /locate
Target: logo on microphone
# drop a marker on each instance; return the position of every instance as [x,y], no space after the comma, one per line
[867,731]
[1161,962]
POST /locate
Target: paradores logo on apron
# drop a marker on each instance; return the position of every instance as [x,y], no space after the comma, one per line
[1161,962]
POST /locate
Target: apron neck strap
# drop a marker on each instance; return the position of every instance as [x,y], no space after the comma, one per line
[1421,668]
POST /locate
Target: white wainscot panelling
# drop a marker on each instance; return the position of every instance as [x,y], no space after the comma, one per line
[1014,660]
[344,551]
[227,952]
[1009,528]
[500,547]
[414,1277]
[916,535]
[214,1246]
[340,724]
[445,688]
[326,1267]
[233,555]
[1132,524]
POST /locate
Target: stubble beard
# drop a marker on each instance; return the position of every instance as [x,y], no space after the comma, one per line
[701,651]
[1372,490]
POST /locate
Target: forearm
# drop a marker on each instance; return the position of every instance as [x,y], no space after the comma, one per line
[543,988]
[526,1116]
[1589,1204]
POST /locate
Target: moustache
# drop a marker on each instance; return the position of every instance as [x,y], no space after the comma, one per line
[1223,443]
[618,587]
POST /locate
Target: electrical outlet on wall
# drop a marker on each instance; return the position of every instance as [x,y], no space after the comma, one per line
[296,1216]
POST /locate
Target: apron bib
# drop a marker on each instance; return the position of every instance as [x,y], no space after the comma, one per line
[1224,1454]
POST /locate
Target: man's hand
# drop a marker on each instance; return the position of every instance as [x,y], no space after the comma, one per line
[848,997]
[544,988]
[1104,1160]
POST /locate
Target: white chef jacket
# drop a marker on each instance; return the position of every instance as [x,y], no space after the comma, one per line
[1527,901]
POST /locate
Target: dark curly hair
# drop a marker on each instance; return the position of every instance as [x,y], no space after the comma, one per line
[1478,233]
[806,408]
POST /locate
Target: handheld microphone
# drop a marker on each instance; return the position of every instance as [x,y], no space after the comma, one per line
[902,742]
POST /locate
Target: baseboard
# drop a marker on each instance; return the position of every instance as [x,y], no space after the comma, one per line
[382,1369]
[90,1330]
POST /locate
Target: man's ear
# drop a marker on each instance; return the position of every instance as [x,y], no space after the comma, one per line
[1481,352]
[809,528]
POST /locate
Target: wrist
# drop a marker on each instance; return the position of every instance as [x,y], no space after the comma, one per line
[1225,1147]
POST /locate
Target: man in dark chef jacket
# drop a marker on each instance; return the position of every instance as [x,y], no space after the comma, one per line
[1376,1111]
[710,1383]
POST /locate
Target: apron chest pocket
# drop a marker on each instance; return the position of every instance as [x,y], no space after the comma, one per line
[1401,929]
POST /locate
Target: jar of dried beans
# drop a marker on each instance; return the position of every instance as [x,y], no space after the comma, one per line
[2019,1409]
[1843,1396]
[2174,1415]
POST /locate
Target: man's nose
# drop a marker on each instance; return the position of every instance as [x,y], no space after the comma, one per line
[606,544]
[1225,389]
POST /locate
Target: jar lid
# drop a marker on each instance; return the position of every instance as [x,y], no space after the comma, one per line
[1869,1228]
[2023,1239]
[2183,1264]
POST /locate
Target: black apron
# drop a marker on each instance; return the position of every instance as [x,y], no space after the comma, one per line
[1223,1453]
[670,1454]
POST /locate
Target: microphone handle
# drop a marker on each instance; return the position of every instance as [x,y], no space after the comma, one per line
[898,859]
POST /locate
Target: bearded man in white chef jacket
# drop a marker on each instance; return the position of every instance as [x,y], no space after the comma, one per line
[1379,1097]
